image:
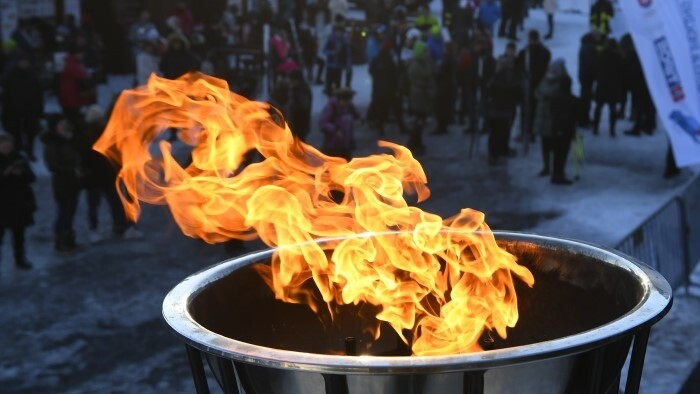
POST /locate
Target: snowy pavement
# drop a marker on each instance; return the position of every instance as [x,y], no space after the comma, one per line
[91,322]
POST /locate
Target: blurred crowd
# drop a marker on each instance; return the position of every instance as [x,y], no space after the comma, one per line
[428,72]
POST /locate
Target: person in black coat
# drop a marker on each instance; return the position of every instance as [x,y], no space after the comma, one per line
[299,105]
[99,177]
[609,83]
[564,110]
[385,86]
[479,72]
[178,59]
[532,63]
[643,108]
[446,90]
[22,104]
[587,60]
[511,13]
[502,95]
[17,202]
[62,155]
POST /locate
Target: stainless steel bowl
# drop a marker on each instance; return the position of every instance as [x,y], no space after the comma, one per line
[575,330]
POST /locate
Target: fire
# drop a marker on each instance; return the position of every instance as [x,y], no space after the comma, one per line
[444,280]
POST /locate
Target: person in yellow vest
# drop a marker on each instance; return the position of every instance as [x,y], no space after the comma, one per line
[602,12]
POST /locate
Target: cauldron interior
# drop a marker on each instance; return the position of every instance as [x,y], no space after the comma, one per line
[573,293]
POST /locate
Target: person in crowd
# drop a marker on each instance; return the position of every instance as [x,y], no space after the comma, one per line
[92,56]
[564,109]
[602,12]
[446,91]
[142,31]
[8,56]
[184,15]
[436,45]
[299,105]
[421,79]
[532,63]
[548,91]
[230,17]
[643,110]
[62,155]
[375,38]
[397,34]
[480,33]
[283,63]
[385,79]
[626,46]
[279,96]
[17,202]
[478,75]
[99,179]
[463,21]
[609,84]
[450,9]
[511,54]
[172,27]
[425,19]
[27,37]
[324,35]
[502,96]
[489,14]
[462,63]
[373,11]
[67,31]
[510,18]
[76,89]
[337,52]
[337,124]
[309,47]
[402,40]
[550,7]
[178,59]
[22,104]
[147,62]
[587,60]
[338,7]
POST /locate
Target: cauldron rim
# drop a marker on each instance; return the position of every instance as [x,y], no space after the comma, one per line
[655,302]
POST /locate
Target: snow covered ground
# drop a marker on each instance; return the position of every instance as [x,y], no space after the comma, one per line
[91,322]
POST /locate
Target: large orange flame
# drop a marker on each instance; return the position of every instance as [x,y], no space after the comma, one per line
[285,199]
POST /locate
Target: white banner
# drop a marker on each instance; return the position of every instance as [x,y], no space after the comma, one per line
[667,37]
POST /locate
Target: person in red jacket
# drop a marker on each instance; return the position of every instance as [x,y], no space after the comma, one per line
[74,90]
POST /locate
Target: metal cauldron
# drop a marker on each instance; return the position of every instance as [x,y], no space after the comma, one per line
[588,307]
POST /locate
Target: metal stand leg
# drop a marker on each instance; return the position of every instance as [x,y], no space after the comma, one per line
[596,371]
[200,379]
[473,383]
[335,384]
[634,373]
[227,376]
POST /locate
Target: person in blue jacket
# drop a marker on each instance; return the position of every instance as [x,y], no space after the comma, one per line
[489,14]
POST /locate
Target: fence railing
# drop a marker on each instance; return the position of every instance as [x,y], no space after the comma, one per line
[669,240]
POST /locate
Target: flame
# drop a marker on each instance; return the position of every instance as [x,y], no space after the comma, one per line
[447,281]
